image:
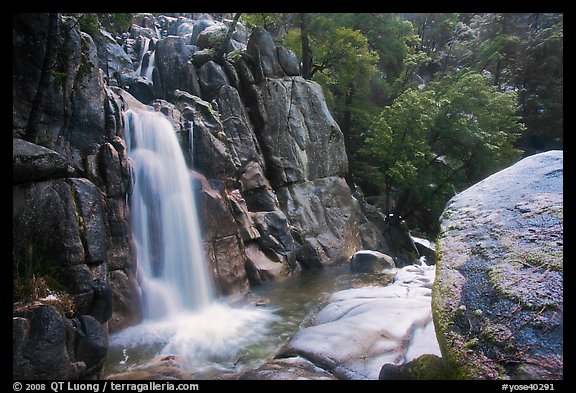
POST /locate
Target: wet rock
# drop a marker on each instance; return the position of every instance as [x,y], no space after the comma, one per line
[426,249]
[367,261]
[363,328]
[127,305]
[162,368]
[498,300]
[91,343]
[425,367]
[286,369]
[261,267]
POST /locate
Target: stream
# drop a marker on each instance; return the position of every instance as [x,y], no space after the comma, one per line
[235,335]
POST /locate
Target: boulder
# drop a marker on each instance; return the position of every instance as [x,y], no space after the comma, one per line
[88,123]
[40,346]
[142,89]
[498,300]
[261,267]
[288,61]
[261,46]
[212,36]
[70,103]
[425,367]
[45,224]
[172,54]
[242,141]
[127,304]
[222,238]
[112,58]
[426,249]
[161,368]
[287,369]
[91,343]
[93,219]
[367,261]
[31,162]
[212,77]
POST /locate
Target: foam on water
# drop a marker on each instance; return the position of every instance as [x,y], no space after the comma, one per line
[214,337]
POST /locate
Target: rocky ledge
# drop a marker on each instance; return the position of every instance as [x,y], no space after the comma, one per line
[360,330]
[498,296]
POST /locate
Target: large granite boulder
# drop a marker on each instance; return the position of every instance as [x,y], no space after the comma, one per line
[172,56]
[498,298]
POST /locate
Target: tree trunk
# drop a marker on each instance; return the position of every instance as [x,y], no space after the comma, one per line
[346,126]
[306,51]
[231,29]
[32,128]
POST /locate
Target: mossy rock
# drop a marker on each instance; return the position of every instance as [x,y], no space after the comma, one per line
[497,300]
[424,367]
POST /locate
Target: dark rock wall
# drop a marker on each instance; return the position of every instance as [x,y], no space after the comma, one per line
[70,218]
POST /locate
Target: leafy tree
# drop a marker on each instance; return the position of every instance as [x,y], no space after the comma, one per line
[341,61]
[433,142]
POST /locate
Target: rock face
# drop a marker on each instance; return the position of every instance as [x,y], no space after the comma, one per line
[498,299]
[70,223]
[362,329]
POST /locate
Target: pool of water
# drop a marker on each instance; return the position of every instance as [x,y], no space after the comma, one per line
[233,336]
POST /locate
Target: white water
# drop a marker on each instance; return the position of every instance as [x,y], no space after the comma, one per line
[147,71]
[164,219]
[182,315]
[151,64]
[144,45]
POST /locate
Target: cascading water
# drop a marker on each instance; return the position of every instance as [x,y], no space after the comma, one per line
[164,219]
[182,315]
[144,45]
[145,68]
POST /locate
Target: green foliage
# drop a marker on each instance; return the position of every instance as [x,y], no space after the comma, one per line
[89,23]
[438,140]
[272,22]
[113,22]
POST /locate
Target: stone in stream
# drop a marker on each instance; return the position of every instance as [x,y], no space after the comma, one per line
[368,261]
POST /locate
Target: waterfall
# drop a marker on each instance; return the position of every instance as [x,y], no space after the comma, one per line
[170,255]
[150,68]
[182,315]
[144,44]
[146,70]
